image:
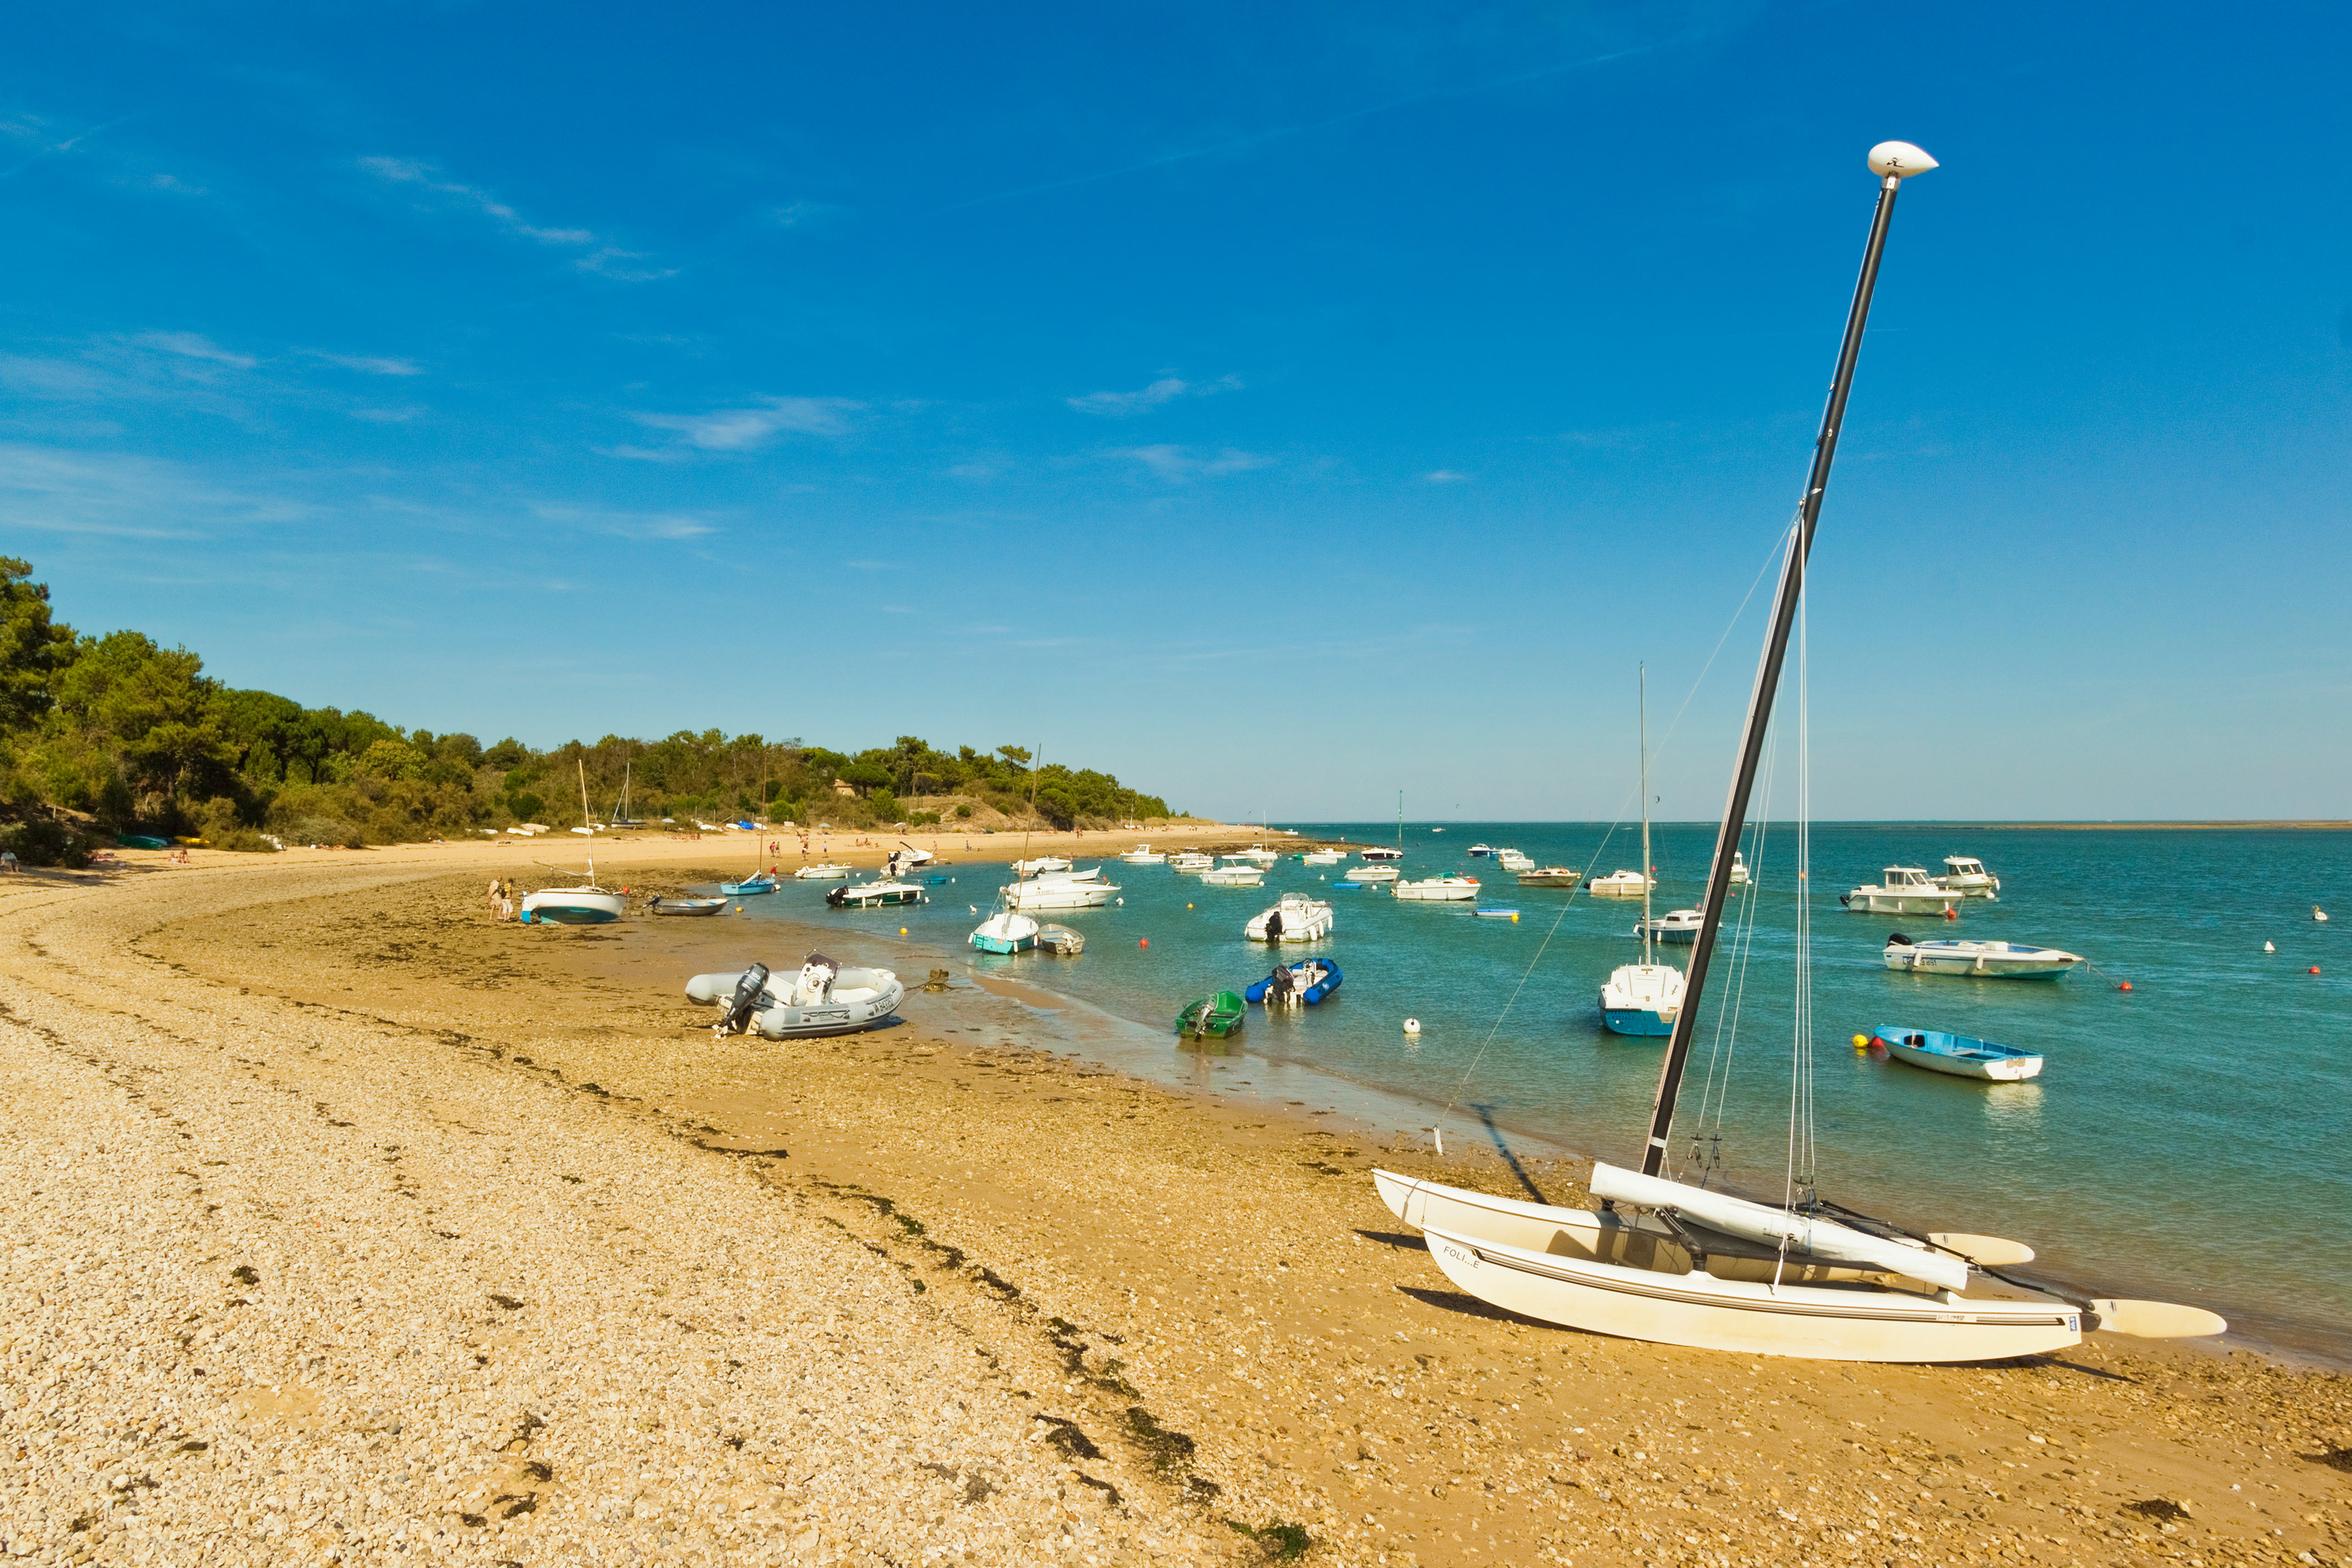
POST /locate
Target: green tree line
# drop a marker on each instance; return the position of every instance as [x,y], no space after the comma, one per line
[102,736]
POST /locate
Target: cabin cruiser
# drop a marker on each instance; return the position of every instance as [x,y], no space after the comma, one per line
[1043,863]
[1551,876]
[1439,890]
[1364,874]
[1678,926]
[821,873]
[1902,890]
[1513,860]
[1966,874]
[1620,884]
[1144,854]
[1191,860]
[1323,857]
[1075,890]
[1380,852]
[874,895]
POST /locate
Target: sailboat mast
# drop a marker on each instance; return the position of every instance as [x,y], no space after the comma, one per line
[1644,670]
[1893,161]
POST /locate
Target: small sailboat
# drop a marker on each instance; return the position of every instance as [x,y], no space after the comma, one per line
[1212,1018]
[1902,890]
[583,903]
[1645,999]
[1957,1055]
[1438,890]
[1060,941]
[1004,932]
[1672,1263]
[1982,960]
[1294,917]
[1296,984]
[657,904]
[758,881]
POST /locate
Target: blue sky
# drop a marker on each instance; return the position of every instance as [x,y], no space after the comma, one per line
[1280,406]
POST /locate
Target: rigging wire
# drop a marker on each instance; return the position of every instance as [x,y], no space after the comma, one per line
[1803,1167]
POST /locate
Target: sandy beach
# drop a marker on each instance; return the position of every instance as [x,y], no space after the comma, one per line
[348,1224]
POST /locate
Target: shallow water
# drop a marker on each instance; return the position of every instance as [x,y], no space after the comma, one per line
[2183,1140]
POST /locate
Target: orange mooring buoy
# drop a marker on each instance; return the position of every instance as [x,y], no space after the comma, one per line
[2123,985]
[2315,968]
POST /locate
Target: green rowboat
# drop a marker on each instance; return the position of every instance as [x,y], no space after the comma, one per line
[1215,1017]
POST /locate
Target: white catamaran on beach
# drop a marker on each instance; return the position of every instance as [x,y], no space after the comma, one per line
[1672,1263]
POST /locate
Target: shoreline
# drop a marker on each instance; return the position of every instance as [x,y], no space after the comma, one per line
[1114,1244]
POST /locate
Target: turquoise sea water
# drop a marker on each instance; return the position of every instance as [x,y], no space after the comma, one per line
[2186,1140]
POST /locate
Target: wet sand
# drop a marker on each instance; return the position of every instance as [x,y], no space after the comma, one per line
[922,1293]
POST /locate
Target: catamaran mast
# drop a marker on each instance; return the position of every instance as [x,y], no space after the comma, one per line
[1893,163]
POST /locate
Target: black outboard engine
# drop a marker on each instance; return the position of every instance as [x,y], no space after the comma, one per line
[837,897]
[1899,940]
[1279,984]
[744,1003]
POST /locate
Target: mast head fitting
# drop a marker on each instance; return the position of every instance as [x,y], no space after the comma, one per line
[1899,160]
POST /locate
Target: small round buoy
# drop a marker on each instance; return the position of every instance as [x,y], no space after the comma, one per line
[1862,1042]
[1412,1025]
[1950,913]
[1188,906]
[1514,920]
[2123,985]
[902,931]
[1143,941]
[2315,968]
[2269,947]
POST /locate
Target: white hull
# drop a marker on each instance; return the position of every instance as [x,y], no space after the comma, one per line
[1056,893]
[1378,854]
[1004,932]
[855,999]
[1364,874]
[1438,890]
[1618,884]
[1984,960]
[1996,1070]
[573,905]
[1321,857]
[1143,855]
[1192,863]
[1302,920]
[1233,876]
[821,873]
[1901,901]
[1606,1274]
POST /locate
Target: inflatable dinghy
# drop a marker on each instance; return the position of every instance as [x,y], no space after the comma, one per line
[822,998]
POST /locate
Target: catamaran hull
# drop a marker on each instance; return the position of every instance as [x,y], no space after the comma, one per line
[1848,1322]
[1639,1021]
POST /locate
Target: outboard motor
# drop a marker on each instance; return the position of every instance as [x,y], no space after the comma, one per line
[1898,940]
[744,1003]
[1278,991]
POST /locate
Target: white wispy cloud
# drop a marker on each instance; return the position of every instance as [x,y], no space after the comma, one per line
[194,346]
[741,429]
[372,364]
[806,215]
[1167,389]
[1446,477]
[407,172]
[1180,464]
[627,525]
[116,496]
[623,265]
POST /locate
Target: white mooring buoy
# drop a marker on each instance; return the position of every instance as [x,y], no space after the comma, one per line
[1412,1025]
[2269,947]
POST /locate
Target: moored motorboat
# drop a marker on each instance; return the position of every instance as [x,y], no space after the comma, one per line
[1676,925]
[1479,851]
[1902,890]
[824,998]
[1739,869]
[1380,852]
[1084,890]
[1966,874]
[1438,890]
[1513,860]
[1042,863]
[1004,932]
[821,873]
[1144,854]
[1642,1000]
[1323,857]
[757,883]
[1191,861]
[1496,912]
[1060,941]
[1212,1018]
[1986,960]
[1242,875]
[1293,918]
[1296,984]
[874,895]
[1258,855]
[657,904]
[1619,884]
[1957,1055]
[1550,876]
[1359,875]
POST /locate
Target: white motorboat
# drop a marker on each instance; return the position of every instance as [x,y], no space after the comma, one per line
[1144,854]
[1303,919]
[1676,925]
[1967,874]
[824,998]
[1673,1262]
[1986,960]
[1004,932]
[1043,863]
[1323,857]
[1379,853]
[879,893]
[1620,884]
[1191,862]
[1479,851]
[1739,869]
[1243,875]
[1256,855]
[1551,876]
[1902,890]
[1513,860]
[821,873]
[1439,890]
[1050,892]
[1367,873]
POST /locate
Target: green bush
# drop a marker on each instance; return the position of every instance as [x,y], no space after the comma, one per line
[45,841]
[964,810]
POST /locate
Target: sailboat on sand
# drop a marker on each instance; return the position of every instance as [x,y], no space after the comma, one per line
[1672,1263]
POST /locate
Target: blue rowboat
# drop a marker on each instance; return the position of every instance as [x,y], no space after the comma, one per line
[761,882]
[1310,982]
[1957,1054]
[1496,913]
